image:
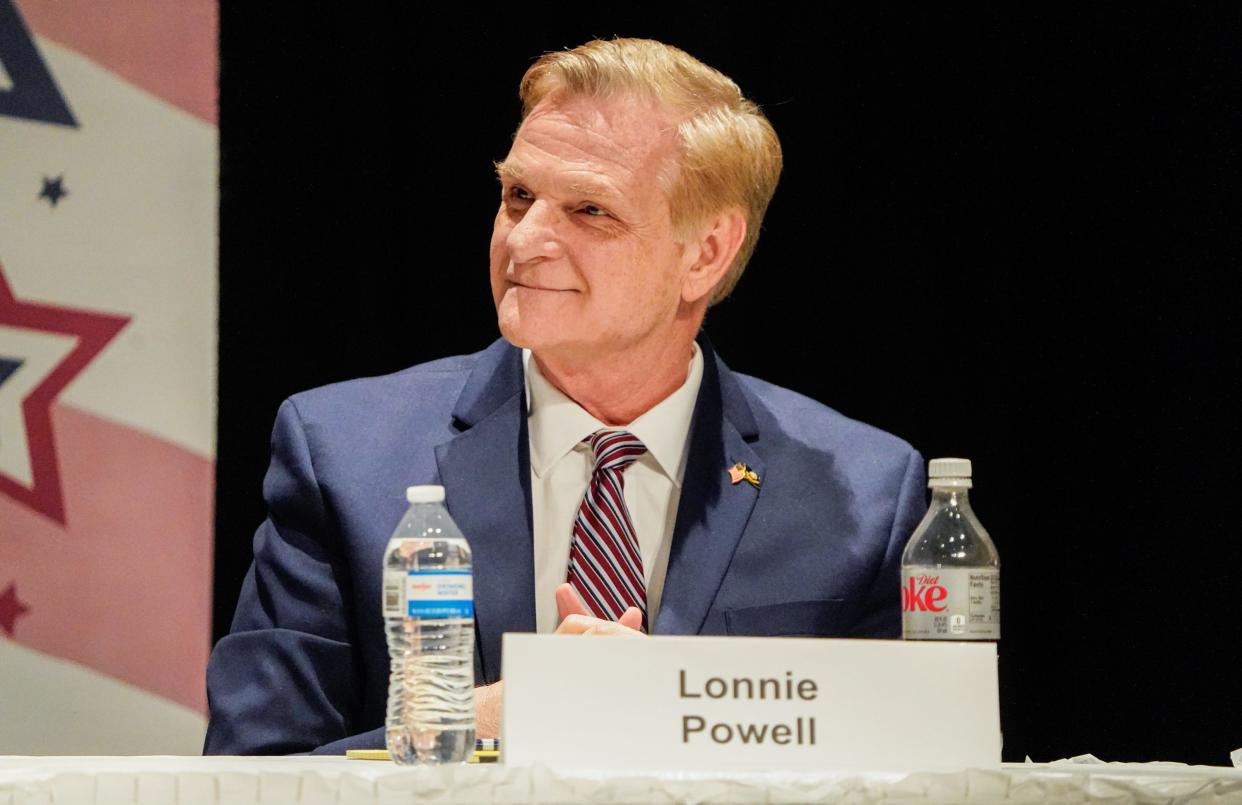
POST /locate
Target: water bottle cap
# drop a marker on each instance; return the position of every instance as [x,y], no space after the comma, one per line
[424,494]
[949,472]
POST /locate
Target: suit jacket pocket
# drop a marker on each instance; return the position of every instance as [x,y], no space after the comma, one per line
[824,618]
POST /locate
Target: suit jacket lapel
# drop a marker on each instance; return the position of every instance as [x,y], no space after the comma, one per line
[485,470]
[713,511]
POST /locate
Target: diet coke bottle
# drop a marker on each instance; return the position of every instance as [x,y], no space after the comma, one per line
[950,571]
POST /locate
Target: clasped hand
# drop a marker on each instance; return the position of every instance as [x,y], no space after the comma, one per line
[575,619]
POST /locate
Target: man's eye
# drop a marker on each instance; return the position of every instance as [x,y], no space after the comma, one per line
[517,194]
[590,209]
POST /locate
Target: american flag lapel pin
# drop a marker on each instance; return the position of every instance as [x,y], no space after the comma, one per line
[740,472]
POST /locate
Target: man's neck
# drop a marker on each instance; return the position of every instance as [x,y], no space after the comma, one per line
[618,388]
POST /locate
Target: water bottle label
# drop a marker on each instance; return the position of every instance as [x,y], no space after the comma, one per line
[429,593]
[959,603]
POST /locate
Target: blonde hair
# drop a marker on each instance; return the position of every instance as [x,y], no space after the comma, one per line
[730,155]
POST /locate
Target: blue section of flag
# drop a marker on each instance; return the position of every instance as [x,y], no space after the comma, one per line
[34,95]
[7,367]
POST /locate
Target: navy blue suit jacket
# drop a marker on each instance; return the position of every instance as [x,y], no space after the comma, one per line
[814,550]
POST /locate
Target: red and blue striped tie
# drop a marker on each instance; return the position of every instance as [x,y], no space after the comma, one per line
[605,563]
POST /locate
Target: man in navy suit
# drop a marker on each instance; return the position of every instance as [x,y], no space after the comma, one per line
[630,202]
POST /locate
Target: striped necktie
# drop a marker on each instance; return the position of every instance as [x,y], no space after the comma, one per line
[605,564]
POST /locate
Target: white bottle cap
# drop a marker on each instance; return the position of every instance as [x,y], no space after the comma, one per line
[949,472]
[424,494]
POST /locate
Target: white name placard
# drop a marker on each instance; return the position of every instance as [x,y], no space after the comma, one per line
[748,704]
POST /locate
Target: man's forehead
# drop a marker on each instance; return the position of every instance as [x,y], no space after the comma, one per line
[632,136]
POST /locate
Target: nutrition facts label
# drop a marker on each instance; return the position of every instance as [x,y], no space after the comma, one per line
[950,603]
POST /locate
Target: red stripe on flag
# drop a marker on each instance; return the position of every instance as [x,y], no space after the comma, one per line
[166,47]
[126,588]
[94,331]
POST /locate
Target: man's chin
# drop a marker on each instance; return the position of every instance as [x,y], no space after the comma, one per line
[518,333]
[516,341]
[545,342]
[529,327]
[523,339]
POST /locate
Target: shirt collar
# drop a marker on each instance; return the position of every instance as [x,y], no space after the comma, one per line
[557,424]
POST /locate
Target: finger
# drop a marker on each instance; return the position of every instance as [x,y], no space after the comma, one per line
[632,618]
[610,629]
[487,708]
[586,625]
[568,603]
[576,624]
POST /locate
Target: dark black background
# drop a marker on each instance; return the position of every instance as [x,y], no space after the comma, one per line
[1006,233]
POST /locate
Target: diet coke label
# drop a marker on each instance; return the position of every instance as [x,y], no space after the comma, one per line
[950,603]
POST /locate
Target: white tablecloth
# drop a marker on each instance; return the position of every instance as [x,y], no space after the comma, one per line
[199,781]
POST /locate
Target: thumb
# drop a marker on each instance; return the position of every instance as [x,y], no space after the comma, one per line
[633,618]
[568,603]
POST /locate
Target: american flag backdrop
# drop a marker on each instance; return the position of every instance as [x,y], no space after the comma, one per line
[108,299]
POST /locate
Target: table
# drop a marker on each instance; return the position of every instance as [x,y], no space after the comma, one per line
[168,780]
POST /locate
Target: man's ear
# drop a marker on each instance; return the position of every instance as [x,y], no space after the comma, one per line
[717,244]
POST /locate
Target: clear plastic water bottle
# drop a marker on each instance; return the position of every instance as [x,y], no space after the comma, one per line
[950,571]
[429,619]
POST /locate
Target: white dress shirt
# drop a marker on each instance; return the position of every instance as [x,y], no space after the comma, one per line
[561,466]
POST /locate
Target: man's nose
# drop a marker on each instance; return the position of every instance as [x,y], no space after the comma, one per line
[537,234]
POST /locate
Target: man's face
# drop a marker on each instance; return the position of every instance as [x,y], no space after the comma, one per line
[583,261]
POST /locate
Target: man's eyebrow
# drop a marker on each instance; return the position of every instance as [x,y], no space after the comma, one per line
[507,170]
[515,173]
[594,189]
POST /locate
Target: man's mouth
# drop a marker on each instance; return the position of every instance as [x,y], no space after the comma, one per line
[533,287]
